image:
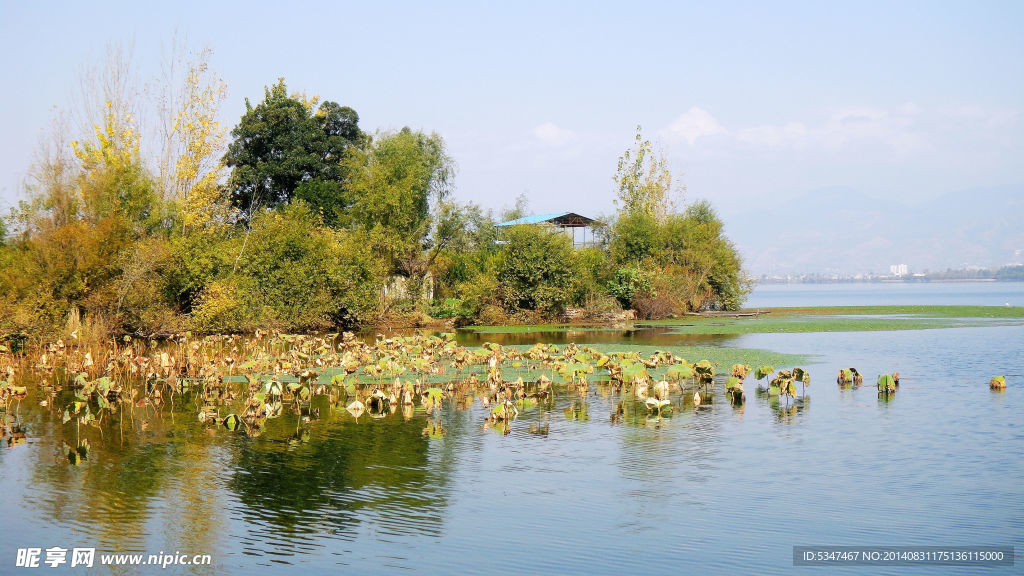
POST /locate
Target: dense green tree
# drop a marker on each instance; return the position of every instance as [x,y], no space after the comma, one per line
[398,186]
[696,241]
[634,236]
[286,146]
[395,180]
[295,275]
[536,270]
[688,262]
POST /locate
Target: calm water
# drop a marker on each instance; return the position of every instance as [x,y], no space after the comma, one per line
[884,293]
[715,490]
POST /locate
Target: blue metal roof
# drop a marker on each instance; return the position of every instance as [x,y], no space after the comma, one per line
[537,219]
[541,218]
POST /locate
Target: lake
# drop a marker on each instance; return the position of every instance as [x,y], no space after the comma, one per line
[888,293]
[571,488]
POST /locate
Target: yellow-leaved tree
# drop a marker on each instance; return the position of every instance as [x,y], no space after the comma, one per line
[644,181]
[192,168]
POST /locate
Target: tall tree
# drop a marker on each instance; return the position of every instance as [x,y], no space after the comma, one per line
[399,185]
[286,146]
[644,180]
[191,164]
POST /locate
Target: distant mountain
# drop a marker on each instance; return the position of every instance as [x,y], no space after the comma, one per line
[843,231]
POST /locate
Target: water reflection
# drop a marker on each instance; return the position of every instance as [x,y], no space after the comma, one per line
[644,335]
[347,470]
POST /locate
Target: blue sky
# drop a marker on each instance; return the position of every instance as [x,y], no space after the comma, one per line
[758,104]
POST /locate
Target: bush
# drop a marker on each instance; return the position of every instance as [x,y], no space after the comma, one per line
[673,291]
[590,275]
[299,275]
[288,272]
[600,307]
[536,271]
[493,315]
[223,307]
[628,282]
[448,308]
[634,236]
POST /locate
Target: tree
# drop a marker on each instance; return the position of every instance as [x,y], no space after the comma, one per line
[191,163]
[696,265]
[286,143]
[695,240]
[536,272]
[634,236]
[518,210]
[396,179]
[644,181]
[398,187]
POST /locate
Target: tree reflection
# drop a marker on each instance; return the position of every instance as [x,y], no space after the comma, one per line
[349,470]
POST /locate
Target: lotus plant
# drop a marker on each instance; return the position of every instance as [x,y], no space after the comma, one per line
[886,384]
[763,372]
[734,389]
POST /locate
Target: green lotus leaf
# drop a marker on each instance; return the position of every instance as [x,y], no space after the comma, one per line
[679,372]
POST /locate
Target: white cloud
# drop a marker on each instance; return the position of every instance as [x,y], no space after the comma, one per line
[793,134]
[898,131]
[695,123]
[901,131]
[553,135]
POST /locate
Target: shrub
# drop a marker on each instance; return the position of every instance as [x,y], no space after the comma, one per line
[634,236]
[287,272]
[628,282]
[590,274]
[536,271]
[223,307]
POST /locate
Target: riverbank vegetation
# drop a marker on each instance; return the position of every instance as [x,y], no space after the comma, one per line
[297,219]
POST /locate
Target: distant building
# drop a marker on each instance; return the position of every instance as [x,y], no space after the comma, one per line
[567,222]
[899,270]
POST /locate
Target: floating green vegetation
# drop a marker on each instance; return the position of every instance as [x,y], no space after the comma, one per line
[846,319]
[916,310]
[793,320]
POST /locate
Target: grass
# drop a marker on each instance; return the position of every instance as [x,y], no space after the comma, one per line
[784,320]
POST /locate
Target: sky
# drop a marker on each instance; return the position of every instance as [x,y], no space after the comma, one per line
[814,128]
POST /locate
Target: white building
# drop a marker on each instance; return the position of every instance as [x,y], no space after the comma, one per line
[899,270]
